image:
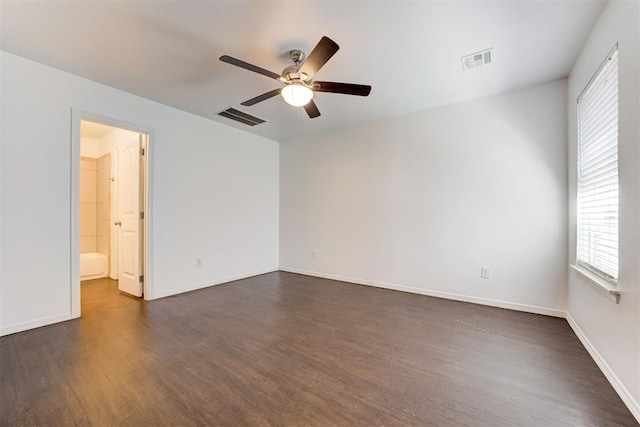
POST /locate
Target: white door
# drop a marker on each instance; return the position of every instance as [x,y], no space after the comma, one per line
[114,248]
[130,257]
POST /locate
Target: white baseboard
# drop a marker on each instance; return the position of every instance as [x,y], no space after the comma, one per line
[32,324]
[439,294]
[202,285]
[622,391]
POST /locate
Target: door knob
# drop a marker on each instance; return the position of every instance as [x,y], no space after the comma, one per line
[117,223]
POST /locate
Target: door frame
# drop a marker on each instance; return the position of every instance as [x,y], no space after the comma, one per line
[147,165]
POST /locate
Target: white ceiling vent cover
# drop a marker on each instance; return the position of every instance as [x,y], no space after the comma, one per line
[477,59]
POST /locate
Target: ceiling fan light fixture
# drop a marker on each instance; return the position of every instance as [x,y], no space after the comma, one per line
[296,94]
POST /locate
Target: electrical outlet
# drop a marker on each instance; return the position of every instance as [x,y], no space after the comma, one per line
[314,254]
[485,272]
[198,262]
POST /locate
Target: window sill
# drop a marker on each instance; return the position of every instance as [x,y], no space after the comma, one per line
[599,284]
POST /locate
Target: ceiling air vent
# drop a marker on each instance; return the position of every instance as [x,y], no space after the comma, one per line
[239,116]
[477,59]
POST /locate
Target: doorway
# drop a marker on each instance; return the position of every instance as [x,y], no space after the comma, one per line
[110,210]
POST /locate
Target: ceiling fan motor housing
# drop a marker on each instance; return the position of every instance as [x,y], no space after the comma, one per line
[291,74]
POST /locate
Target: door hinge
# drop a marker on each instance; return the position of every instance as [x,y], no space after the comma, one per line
[141,151]
[141,278]
[141,215]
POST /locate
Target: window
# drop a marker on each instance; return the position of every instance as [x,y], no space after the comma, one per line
[598,172]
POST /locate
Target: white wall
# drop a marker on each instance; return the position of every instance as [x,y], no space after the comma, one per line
[421,202]
[612,332]
[110,141]
[94,148]
[214,193]
[90,147]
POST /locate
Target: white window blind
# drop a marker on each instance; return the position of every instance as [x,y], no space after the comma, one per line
[598,172]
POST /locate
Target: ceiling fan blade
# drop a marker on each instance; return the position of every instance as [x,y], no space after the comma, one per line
[262,97]
[345,88]
[312,110]
[247,66]
[319,56]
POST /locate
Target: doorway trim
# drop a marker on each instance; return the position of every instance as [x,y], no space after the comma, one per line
[76,118]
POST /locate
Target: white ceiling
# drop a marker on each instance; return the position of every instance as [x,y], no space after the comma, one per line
[409,51]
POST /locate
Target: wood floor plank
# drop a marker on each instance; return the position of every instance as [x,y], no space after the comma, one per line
[282,349]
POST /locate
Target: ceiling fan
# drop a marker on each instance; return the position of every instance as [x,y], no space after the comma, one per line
[299,86]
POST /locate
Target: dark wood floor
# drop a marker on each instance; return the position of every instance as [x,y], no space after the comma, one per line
[288,350]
